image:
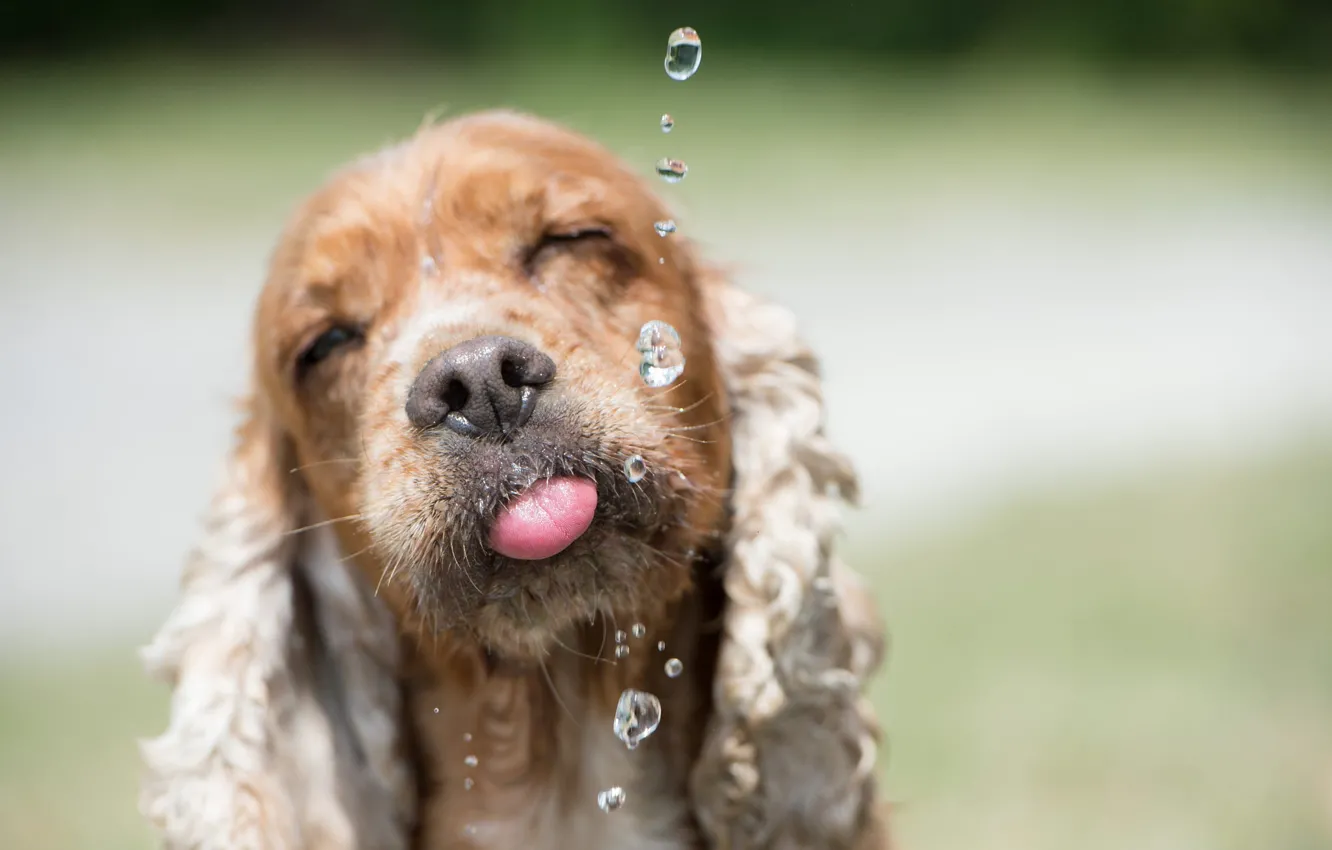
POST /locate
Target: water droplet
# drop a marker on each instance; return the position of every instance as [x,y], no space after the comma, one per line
[437,709]
[621,651]
[684,52]
[467,736]
[636,716]
[428,266]
[661,646]
[635,468]
[661,370]
[674,667]
[672,170]
[664,228]
[619,633]
[657,334]
[661,261]
[610,799]
[638,630]
[667,123]
[663,358]
[468,783]
[471,761]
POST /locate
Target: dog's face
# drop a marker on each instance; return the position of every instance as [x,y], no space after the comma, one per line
[448,336]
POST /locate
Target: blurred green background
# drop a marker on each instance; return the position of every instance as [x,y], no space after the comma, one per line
[1069,267]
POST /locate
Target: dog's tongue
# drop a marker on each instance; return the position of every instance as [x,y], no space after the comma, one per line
[544,519]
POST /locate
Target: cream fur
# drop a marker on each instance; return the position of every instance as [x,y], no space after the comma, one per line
[248,760]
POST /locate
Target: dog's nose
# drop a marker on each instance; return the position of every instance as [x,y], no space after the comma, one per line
[486,385]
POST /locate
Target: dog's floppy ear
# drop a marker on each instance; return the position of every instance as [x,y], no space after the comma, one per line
[789,757]
[284,713]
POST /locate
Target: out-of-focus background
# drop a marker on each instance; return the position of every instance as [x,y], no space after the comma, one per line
[1069,267]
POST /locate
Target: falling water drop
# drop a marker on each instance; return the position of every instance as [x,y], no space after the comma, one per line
[661,646]
[467,736]
[672,170]
[638,630]
[661,261]
[620,636]
[661,367]
[663,359]
[437,709]
[674,667]
[636,716]
[667,123]
[621,651]
[471,761]
[665,227]
[468,783]
[610,799]
[635,468]
[684,52]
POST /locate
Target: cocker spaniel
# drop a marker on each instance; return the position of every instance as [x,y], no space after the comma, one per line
[458,525]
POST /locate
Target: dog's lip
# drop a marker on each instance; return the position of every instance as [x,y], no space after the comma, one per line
[544,519]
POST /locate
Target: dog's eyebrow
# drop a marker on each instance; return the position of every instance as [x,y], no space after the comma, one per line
[570,197]
[321,289]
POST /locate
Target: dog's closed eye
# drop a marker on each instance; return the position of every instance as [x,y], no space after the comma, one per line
[324,346]
[571,240]
[574,234]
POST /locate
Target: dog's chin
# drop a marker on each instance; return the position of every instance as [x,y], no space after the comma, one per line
[522,610]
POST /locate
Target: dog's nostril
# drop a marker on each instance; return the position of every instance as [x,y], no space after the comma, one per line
[511,372]
[455,395]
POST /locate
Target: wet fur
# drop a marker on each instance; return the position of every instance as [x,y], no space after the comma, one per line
[343,627]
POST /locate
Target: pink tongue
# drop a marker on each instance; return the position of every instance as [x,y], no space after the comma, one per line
[544,519]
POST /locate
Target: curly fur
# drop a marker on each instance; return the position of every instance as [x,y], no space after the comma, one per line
[251,756]
[790,752]
[287,724]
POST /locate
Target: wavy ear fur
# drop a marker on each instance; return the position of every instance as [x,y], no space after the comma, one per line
[284,713]
[789,757]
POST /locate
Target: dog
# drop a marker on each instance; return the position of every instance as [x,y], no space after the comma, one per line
[464,556]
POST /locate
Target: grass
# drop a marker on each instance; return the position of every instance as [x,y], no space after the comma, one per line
[68,760]
[1139,664]
[1144,665]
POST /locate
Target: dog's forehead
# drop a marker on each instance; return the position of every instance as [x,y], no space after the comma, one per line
[489,175]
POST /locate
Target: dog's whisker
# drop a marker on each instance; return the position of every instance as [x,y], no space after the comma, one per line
[315,525]
[672,388]
[555,692]
[466,569]
[700,426]
[672,410]
[573,651]
[312,464]
[601,647]
[387,576]
[670,435]
[359,552]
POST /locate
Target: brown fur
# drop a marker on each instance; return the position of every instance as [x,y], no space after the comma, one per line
[439,240]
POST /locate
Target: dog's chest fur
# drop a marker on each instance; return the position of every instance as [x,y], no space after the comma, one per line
[517,769]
